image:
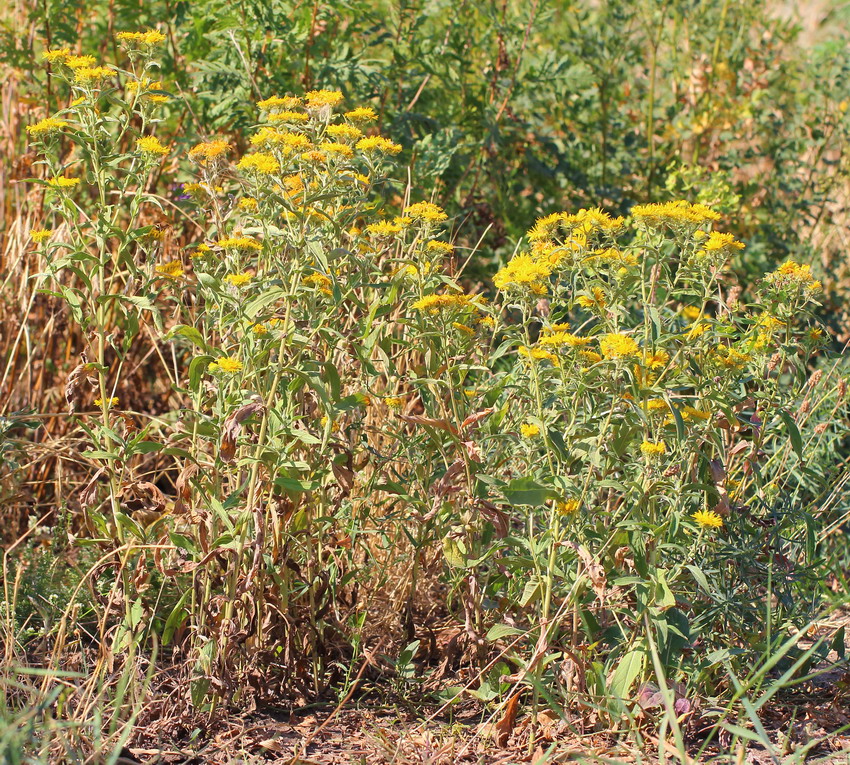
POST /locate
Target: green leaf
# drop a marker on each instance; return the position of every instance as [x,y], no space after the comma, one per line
[527,491]
[499,631]
[793,432]
[176,617]
[630,666]
[190,333]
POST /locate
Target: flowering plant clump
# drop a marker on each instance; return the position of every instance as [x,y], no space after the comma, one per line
[586,461]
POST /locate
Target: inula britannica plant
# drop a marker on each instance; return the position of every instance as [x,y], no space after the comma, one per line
[593,470]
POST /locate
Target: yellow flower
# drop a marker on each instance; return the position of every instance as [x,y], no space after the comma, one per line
[318,98]
[58,55]
[568,507]
[228,364]
[436,303]
[362,114]
[61,182]
[384,229]
[112,402]
[560,339]
[259,164]
[463,328]
[674,213]
[149,38]
[724,243]
[522,271]
[40,235]
[46,126]
[278,103]
[239,280]
[591,357]
[80,62]
[344,132]
[90,75]
[656,360]
[690,312]
[442,248]
[289,117]
[240,243]
[318,280]
[708,519]
[689,414]
[173,269]
[652,450]
[202,251]
[394,402]
[426,211]
[378,144]
[203,153]
[618,346]
[545,228]
[539,354]
[150,145]
[332,147]
[730,358]
[529,430]
[596,300]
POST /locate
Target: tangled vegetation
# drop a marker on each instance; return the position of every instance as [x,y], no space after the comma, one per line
[322,440]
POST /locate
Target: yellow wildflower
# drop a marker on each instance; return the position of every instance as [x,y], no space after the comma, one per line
[596,300]
[172,270]
[249,204]
[436,303]
[318,98]
[674,213]
[91,75]
[529,430]
[46,126]
[426,211]
[228,364]
[567,507]
[80,62]
[344,132]
[110,403]
[378,144]
[239,280]
[279,103]
[362,114]
[150,38]
[442,248]
[618,346]
[521,271]
[708,519]
[384,229]
[203,153]
[150,145]
[61,182]
[332,147]
[40,235]
[58,55]
[652,450]
[260,163]
[240,243]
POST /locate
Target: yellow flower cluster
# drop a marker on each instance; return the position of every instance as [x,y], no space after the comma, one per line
[362,114]
[315,99]
[653,450]
[144,85]
[539,354]
[437,303]
[523,271]
[150,38]
[172,270]
[794,275]
[239,243]
[46,127]
[239,280]
[61,182]
[568,507]
[674,214]
[618,346]
[208,151]
[426,211]
[378,145]
[260,163]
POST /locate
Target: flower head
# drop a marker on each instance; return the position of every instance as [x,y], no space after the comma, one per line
[239,280]
[150,144]
[653,450]
[362,114]
[208,151]
[172,270]
[529,430]
[260,163]
[378,145]
[426,211]
[708,519]
[46,126]
[618,346]
[228,364]
[41,235]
